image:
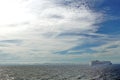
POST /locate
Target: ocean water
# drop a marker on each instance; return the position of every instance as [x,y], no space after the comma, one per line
[60,72]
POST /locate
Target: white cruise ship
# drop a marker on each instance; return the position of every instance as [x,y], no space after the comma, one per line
[97,62]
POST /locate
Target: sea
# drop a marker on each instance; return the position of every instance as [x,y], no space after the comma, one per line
[59,72]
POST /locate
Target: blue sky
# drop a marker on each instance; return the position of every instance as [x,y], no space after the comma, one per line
[59,31]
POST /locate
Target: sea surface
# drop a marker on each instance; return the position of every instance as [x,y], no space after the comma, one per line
[60,72]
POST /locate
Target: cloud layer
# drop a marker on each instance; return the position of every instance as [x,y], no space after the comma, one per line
[53,31]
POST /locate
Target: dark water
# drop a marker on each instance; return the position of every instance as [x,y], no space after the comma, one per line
[60,72]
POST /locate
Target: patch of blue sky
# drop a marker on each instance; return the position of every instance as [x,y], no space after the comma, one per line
[11,41]
[111,19]
[113,46]
[81,49]
[110,7]
[7,56]
[110,27]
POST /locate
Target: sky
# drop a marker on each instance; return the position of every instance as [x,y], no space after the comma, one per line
[59,31]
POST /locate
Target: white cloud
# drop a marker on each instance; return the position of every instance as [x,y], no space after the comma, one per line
[109,51]
[46,21]
[13,12]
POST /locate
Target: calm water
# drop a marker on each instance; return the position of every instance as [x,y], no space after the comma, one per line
[60,72]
